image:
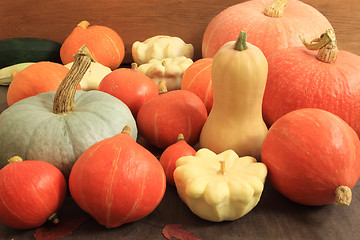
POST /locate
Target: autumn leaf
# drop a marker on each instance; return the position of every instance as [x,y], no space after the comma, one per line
[174,230]
[59,230]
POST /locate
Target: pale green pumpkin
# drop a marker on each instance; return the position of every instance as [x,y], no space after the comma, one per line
[31,129]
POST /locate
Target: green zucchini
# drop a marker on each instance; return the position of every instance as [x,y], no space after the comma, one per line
[19,50]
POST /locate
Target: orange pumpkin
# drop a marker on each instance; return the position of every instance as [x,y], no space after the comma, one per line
[105,45]
[266,28]
[197,79]
[37,78]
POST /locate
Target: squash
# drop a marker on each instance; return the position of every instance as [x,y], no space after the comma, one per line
[93,76]
[130,86]
[105,45]
[313,157]
[239,73]
[171,154]
[221,187]
[160,47]
[30,183]
[301,78]
[270,24]
[197,79]
[163,118]
[7,72]
[37,78]
[58,127]
[117,181]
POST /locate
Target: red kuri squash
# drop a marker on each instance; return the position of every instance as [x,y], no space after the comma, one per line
[270,25]
[313,157]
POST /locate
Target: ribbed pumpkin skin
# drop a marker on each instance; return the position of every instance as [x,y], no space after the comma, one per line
[105,45]
[31,130]
[197,79]
[37,78]
[297,79]
[117,181]
[267,33]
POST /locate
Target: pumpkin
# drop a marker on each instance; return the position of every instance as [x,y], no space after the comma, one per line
[58,127]
[130,86]
[37,78]
[221,187]
[32,183]
[239,73]
[271,25]
[172,153]
[105,45]
[117,181]
[301,78]
[313,157]
[197,79]
[163,118]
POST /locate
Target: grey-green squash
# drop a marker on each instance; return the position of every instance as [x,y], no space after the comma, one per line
[57,127]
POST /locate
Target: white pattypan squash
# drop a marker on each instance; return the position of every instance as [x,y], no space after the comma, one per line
[219,187]
[93,75]
[160,47]
[169,70]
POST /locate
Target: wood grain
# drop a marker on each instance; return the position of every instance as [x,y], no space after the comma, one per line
[139,20]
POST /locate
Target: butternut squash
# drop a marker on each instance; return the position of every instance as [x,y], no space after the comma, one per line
[239,74]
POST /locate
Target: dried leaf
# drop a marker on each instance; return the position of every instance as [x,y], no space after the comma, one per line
[59,230]
[174,230]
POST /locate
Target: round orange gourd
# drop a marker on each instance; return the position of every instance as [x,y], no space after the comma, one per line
[197,79]
[269,33]
[37,78]
[105,45]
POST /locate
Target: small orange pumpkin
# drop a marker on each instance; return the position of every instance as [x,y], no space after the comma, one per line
[105,45]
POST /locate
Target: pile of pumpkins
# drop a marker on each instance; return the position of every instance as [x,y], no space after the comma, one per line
[262,103]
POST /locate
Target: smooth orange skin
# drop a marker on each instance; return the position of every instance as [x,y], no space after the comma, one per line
[197,79]
[117,181]
[130,86]
[30,192]
[105,45]
[37,78]
[309,153]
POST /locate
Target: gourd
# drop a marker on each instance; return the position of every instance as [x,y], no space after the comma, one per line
[31,192]
[37,78]
[163,118]
[271,25]
[171,154]
[117,181]
[221,187]
[239,73]
[130,86]
[105,45]
[169,70]
[6,72]
[160,47]
[197,79]
[93,76]
[313,157]
[300,77]
[58,127]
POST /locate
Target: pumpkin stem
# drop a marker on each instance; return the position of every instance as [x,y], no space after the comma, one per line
[222,168]
[240,43]
[64,100]
[84,24]
[126,129]
[162,87]
[343,195]
[180,137]
[134,66]
[15,159]
[326,44]
[53,218]
[14,73]
[276,9]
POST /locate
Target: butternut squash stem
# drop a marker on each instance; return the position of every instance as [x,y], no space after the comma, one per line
[343,196]
[240,43]
[64,100]
[276,9]
[326,44]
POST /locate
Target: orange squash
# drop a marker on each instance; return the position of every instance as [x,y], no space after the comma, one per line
[105,45]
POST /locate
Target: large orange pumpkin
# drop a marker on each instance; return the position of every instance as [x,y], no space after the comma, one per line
[105,45]
[269,33]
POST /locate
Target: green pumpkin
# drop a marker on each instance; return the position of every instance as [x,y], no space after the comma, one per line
[30,128]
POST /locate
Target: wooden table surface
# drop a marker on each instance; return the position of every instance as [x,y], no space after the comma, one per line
[275,217]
